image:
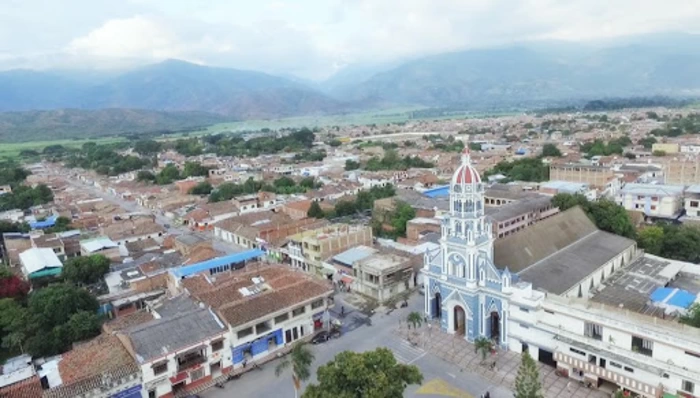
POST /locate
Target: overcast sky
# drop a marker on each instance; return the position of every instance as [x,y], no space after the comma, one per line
[308,38]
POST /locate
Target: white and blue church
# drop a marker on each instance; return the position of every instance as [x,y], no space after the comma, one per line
[464,290]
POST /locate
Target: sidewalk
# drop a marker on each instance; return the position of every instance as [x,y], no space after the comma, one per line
[461,353]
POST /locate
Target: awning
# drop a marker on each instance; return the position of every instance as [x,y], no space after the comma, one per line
[45,272]
[347,280]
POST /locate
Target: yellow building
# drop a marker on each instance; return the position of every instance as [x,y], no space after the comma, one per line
[595,176]
[682,172]
[667,148]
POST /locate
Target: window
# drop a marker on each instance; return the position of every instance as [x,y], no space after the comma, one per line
[245,332]
[298,311]
[197,374]
[152,394]
[692,354]
[522,325]
[628,369]
[281,318]
[549,312]
[523,309]
[615,364]
[575,351]
[593,331]
[160,368]
[217,345]
[592,359]
[262,327]
[642,346]
[316,304]
[694,203]
[688,386]
[653,207]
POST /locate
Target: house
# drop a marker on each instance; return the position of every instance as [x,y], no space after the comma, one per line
[206,215]
[100,245]
[265,309]
[40,262]
[101,367]
[594,176]
[516,216]
[383,275]
[184,186]
[657,201]
[132,230]
[18,378]
[691,201]
[184,347]
[185,243]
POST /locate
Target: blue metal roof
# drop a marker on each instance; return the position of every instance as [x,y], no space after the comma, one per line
[48,223]
[671,296]
[188,270]
[438,192]
[682,299]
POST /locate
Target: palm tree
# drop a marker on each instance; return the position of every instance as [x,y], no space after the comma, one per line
[300,359]
[415,319]
[483,346]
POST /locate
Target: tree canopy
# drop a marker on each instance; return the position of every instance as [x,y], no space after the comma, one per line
[203,188]
[605,214]
[550,150]
[392,161]
[55,317]
[527,381]
[371,374]
[23,197]
[678,242]
[525,169]
[315,210]
[147,147]
[85,270]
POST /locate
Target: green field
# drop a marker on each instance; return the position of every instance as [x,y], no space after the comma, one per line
[12,149]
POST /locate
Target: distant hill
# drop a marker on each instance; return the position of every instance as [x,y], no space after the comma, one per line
[81,123]
[537,74]
[168,86]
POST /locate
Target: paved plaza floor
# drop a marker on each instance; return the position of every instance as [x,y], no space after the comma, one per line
[463,356]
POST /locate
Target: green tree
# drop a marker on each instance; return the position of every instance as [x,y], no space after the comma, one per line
[605,214]
[483,346]
[565,201]
[647,142]
[147,147]
[692,317]
[414,319]
[475,146]
[651,239]
[525,169]
[400,218]
[86,270]
[194,169]
[83,325]
[335,143]
[299,360]
[550,150]
[351,165]
[145,176]
[315,211]
[659,153]
[203,188]
[527,381]
[363,374]
[169,174]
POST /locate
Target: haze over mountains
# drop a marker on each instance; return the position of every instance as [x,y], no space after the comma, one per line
[531,75]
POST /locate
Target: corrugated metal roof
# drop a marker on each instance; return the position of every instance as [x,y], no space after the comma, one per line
[216,262]
[350,256]
[37,259]
[96,244]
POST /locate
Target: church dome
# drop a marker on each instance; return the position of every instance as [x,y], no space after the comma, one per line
[466,173]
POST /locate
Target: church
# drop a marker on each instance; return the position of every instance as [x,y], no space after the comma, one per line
[576,298]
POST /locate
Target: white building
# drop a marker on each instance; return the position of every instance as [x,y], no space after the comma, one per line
[574,297]
[659,201]
[40,262]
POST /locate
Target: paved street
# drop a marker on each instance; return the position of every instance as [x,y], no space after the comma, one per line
[440,376]
[133,207]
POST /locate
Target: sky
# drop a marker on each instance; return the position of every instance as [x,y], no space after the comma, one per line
[312,39]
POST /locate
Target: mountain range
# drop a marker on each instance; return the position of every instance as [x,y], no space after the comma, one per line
[530,75]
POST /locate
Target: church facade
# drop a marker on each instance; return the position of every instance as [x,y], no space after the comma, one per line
[464,289]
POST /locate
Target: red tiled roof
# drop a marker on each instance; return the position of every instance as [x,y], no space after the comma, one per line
[27,388]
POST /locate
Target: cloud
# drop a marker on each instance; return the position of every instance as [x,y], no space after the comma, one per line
[310,38]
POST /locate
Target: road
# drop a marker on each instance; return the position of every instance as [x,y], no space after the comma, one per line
[165,222]
[363,337]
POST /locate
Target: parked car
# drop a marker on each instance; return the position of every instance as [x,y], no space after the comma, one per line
[321,337]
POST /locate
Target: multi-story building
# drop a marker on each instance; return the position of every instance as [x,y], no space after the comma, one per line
[516,216]
[595,176]
[183,347]
[691,201]
[582,300]
[383,275]
[682,171]
[658,201]
[264,309]
[309,249]
[665,147]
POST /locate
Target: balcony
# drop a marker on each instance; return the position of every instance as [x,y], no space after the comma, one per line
[190,360]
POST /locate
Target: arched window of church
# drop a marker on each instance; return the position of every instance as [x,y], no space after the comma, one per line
[482,274]
[458,228]
[458,206]
[457,188]
[469,206]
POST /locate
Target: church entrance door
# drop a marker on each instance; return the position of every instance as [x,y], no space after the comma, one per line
[437,302]
[459,320]
[495,327]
